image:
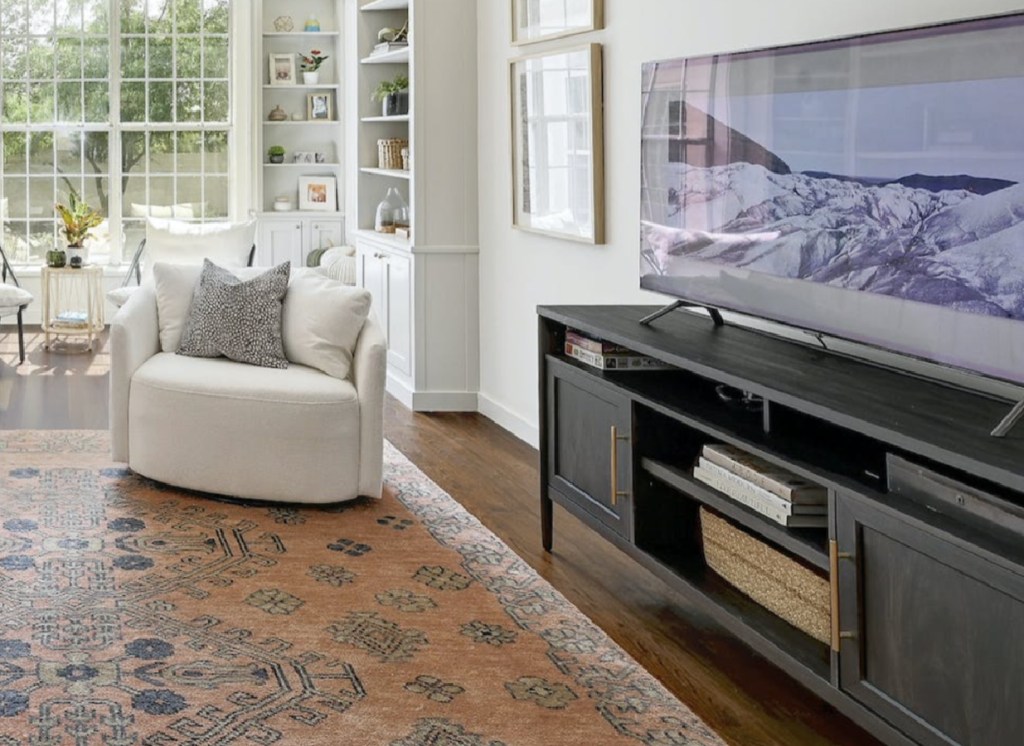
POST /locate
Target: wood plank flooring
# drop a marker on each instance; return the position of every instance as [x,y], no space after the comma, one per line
[494,475]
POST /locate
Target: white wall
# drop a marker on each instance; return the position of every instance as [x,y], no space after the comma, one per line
[520,270]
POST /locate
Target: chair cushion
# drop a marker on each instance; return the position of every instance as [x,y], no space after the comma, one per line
[175,284]
[322,321]
[12,296]
[120,296]
[239,319]
[176,242]
[225,379]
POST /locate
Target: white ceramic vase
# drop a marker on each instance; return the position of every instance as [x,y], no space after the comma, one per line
[311,77]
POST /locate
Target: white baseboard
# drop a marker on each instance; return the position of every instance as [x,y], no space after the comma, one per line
[431,401]
[506,418]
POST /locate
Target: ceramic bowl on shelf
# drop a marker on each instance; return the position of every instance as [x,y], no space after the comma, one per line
[283,204]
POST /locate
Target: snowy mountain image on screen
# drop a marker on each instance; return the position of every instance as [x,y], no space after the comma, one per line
[954,241]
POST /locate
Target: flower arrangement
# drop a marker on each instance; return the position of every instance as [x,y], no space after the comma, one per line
[79,219]
[311,62]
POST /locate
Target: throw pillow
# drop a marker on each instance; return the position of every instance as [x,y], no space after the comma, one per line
[322,321]
[239,319]
[177,242]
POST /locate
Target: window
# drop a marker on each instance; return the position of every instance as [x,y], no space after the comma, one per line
[129,93]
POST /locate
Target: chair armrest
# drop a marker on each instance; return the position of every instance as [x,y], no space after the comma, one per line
[134,338]
[369,369]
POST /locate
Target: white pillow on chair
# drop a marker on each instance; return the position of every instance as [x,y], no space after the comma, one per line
[176,242]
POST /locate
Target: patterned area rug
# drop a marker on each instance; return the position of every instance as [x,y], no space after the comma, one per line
[134,613]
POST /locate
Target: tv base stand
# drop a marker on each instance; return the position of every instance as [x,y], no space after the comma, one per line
[714,313]
[917,576]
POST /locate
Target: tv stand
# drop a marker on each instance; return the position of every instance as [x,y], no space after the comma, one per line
[923,554]
[714,313]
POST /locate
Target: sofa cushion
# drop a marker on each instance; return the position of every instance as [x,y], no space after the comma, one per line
[177,242]
[322,321]
[239,319]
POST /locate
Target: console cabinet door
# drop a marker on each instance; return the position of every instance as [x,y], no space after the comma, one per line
[932,632]
[589,431]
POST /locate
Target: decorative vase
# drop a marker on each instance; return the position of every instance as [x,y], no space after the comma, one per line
[311,77]
[56,258]
[76,257]
[277,114]
[392,212]
[396,104]
[312,24]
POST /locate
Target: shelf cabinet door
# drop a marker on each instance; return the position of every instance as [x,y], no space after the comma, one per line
[280,241]
[370,270]
[398,292]
[589,445]
[931,631]
[325,233]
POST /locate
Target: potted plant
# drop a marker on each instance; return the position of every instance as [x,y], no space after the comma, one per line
[275,153]
[393,95]
[311,66]
[79,219]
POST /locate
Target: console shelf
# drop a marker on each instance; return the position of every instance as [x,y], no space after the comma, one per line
[921,556]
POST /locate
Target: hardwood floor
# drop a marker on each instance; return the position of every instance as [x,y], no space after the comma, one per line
[494,475]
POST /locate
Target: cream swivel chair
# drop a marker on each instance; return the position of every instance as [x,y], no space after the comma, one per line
[14,299]
[297,434]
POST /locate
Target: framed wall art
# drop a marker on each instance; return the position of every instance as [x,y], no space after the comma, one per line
[319,106]
[557,143]
[282,69]
[537,20]
[318,193]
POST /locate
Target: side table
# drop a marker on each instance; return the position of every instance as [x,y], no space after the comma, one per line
[72,303]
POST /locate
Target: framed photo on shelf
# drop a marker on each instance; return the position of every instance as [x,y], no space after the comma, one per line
[282,69]
[558,144]
[319,106]
[318,193]
[533,21]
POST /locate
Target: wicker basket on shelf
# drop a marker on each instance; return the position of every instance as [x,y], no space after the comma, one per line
[389,152]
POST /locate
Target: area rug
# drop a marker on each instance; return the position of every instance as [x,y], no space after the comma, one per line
[134,613]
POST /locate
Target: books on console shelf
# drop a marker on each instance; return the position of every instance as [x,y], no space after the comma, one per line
[594,345]
[756,498]
[614,360]
[765,474]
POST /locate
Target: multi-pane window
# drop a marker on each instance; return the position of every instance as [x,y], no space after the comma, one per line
[133,94]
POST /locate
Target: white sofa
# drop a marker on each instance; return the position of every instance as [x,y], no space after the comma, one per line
[294,435]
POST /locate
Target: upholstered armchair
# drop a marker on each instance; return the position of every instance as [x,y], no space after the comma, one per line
[215,425]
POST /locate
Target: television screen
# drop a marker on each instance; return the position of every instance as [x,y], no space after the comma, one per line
[870,187]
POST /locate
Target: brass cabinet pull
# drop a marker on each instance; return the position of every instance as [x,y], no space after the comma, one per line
[616,492]
[834,555]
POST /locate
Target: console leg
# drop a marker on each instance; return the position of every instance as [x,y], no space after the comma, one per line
[662,311]
[546,521]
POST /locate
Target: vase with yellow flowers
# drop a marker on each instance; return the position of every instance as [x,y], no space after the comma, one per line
[79,219]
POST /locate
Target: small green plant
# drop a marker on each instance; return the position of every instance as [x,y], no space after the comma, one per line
[78,219]
[386,87]
[275,150]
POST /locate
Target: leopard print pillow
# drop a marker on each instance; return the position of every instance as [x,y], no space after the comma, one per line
[240,320]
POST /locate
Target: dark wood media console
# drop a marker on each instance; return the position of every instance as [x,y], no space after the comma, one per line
[924,550]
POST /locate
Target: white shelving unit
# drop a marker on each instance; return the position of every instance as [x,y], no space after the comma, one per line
[291,235]
[424,287]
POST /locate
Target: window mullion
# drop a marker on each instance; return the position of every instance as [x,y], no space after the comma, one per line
[118,251]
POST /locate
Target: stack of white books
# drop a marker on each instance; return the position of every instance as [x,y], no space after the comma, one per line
[775,493]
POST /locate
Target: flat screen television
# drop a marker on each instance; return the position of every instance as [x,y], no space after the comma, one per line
[870,188]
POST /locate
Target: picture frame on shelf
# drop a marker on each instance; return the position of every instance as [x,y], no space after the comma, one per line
[532,21]
[319,107]
[282,69]
[318,193]
[558,154]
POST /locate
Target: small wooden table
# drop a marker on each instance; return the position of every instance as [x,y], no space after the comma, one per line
[72,303]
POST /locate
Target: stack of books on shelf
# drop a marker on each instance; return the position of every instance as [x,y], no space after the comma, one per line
[775,493]
[607,356]
[71,320]
[388,46]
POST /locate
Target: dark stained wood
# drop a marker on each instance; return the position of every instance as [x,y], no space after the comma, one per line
[747,700]
[947,425]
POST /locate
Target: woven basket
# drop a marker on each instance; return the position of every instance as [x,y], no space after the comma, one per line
[389,153]
[776,581]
